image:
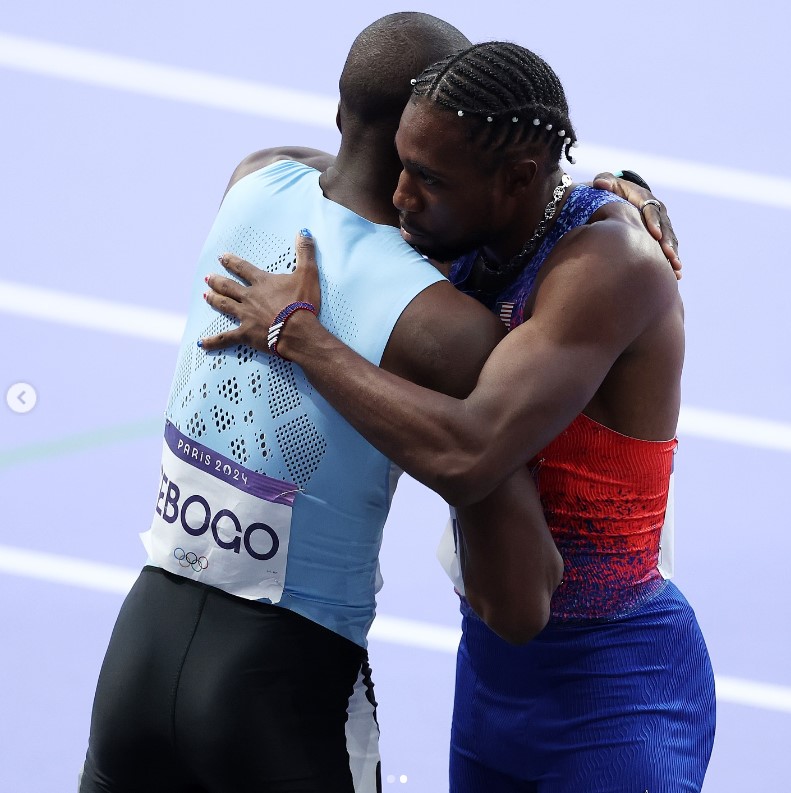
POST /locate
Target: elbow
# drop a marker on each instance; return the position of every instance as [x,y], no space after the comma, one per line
[465,479]
[519,618]
[514,625]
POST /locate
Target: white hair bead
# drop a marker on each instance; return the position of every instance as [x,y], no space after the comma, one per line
[515,119]
[489,118]
[561,133]
[461,112]
[536,122]
[413,81]
[549,126]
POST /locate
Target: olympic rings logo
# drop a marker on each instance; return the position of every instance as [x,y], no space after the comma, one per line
[191,559]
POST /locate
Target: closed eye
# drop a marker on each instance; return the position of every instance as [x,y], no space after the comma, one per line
[427,178]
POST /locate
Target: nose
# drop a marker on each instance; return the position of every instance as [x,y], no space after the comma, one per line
[406,198]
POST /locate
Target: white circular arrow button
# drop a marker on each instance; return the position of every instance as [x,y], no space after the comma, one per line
[21,397]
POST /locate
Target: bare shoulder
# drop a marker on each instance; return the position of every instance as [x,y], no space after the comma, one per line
[606,282]
[442,340]
[314,158]
[612,253]
[617,228]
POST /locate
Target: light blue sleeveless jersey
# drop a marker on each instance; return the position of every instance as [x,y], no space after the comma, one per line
[263,421]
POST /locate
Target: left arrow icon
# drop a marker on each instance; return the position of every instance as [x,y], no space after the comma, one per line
[21,397]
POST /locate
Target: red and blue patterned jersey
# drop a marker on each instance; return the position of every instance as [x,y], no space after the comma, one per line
[604,494]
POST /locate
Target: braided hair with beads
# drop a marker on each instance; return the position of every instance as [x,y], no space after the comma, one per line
[507,95]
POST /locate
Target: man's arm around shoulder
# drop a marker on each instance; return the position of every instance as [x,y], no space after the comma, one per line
[441,341]
[510,564]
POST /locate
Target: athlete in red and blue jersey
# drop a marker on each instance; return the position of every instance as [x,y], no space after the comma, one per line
[616,693]
[618,689]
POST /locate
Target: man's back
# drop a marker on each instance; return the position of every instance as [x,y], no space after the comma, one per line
[268,497]
[241,421]
[267,494]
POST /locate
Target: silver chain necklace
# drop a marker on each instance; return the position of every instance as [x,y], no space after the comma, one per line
[528,249]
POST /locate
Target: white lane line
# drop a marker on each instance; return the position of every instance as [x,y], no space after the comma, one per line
[253,98]
[91,313]
[413,633]
[734,428]
[395,630]
[66,570]
[716,181]
[753,694]
[165,82]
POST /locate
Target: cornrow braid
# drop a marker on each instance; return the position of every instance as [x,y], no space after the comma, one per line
[510,95]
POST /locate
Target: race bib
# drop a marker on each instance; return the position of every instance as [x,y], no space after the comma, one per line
[447,552]
[667,538]
[218,522]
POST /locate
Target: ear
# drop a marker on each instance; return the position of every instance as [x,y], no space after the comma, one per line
[338,118]
[520,174]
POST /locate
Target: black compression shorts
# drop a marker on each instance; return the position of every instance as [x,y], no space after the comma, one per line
[203,692]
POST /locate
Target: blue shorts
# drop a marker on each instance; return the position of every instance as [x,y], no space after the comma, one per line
[620,705]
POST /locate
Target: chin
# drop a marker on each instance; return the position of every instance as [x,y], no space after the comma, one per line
[443,253]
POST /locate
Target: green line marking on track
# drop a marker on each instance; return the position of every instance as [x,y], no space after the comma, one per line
[72,444]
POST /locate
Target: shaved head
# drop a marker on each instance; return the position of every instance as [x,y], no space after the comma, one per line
[375,82]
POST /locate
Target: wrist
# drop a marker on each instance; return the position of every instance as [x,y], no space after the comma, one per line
[296,335]
[279,323]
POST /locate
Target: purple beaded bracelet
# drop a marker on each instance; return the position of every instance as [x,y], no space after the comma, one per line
[279,322]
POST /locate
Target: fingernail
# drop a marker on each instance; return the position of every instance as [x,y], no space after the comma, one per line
[221,258]
[205,295]
[206,279]
[305,233]
[200,342]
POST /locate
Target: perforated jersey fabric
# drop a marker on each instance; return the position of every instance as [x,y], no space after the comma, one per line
[263,414]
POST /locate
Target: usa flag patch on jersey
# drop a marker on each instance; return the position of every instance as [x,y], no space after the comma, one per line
[505,311]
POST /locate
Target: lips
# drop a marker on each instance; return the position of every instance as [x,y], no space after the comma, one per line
[408,230]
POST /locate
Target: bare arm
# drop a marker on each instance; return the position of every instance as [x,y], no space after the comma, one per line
[441,341]
[594,302]
[510,563]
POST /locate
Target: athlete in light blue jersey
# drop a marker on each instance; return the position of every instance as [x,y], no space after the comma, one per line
[238,660]
[276,496]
